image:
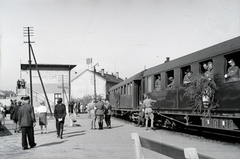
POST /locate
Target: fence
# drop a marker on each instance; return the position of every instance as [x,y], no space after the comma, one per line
[164,149]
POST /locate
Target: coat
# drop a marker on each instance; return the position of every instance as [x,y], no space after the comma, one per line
[60,111]
[26,116]
[100,108]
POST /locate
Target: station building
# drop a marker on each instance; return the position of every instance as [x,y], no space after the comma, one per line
[55,77]
[83,84]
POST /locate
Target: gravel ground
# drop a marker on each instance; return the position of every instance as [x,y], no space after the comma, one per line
[83,143]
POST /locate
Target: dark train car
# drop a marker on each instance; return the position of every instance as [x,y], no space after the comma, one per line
[125,96]
[172,108]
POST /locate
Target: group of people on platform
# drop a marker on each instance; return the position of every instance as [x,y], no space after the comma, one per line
[76,107]
[2,116]
[21,84]
[233,74]
[98,111]
[22,113]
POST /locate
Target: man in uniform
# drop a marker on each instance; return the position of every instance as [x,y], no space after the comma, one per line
[233,71]
[27,122]
[147,104]
[100,108]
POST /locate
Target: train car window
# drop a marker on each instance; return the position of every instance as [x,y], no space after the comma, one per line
[149,84]
[232,71]
[128,89]
[206,67]
[170,79]
[157,82]
[186,75]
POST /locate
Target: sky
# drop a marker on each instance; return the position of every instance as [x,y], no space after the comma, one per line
[122,36]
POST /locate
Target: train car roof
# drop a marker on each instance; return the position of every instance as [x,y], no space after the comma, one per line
[224,47]
[137,76]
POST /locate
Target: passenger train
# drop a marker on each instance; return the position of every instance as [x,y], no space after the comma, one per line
[173,109]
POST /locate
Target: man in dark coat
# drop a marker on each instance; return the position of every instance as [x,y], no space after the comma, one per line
[27,122]
[99,106]
[108,114]
[59,114]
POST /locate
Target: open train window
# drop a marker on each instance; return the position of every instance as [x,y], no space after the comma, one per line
[186,75]
[125,90]
[157,82]
[206,68]
[129,89]
[149,84]
[232,72]
[170,79]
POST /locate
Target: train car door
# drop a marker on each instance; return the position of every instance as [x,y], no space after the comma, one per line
[136,93]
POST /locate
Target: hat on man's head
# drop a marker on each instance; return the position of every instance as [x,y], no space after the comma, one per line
[59,100]
[230,61]
[25,98]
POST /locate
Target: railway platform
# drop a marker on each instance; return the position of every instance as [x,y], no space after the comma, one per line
[80,142]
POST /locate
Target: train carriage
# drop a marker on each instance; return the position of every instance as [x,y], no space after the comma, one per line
[125,96]
[173,108]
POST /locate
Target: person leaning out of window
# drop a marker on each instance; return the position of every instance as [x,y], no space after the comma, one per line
[187,78]
[233,72]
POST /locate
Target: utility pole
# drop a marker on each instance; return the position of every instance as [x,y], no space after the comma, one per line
[94,71]
[28,31]
[41,80]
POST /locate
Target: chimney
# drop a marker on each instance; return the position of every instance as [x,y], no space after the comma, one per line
[117,75]
[167,59]
[102,72]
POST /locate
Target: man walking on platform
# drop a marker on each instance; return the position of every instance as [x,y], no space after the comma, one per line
[100,112]
[27,123]
[59,114]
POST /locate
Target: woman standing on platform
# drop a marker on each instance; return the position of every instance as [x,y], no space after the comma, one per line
[42,110]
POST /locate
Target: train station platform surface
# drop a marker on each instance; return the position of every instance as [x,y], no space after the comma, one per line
[79,141]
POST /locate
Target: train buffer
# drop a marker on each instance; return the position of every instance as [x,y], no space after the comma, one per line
[164,149]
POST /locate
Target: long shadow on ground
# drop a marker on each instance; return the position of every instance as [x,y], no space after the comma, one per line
[52,143]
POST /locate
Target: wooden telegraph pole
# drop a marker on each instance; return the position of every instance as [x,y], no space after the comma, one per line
[28,31]
[95,91]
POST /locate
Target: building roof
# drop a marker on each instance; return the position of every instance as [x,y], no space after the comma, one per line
[48,67]
[108,77]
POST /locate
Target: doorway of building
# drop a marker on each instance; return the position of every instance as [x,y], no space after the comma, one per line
[56,96]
